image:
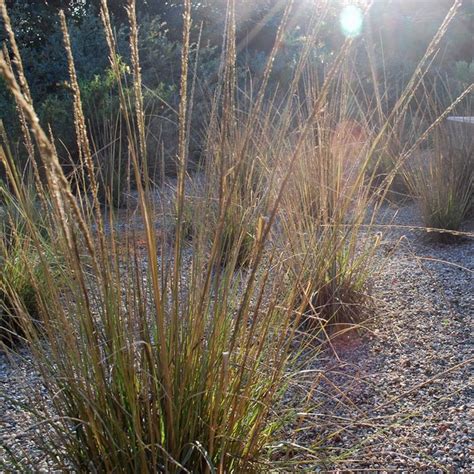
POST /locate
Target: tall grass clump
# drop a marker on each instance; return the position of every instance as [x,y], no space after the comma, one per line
[327,217]
[237,155]
[442,181]
[22,266]
[441,176]
[21,270]
[154,360]
[173,356]
[330,208]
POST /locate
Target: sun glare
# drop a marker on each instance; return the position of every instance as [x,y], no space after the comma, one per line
[351,20]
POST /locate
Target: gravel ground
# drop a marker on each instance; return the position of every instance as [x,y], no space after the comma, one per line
[400,397]
[395,397]
[21,390]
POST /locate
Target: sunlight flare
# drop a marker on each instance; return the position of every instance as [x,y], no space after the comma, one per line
[351,20]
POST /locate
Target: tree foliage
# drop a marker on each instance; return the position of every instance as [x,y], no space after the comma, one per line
[398,32]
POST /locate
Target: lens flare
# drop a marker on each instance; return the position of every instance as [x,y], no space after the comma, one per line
[351,20]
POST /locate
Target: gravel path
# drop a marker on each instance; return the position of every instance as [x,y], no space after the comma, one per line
[397,397]
[21,390]
[401,397]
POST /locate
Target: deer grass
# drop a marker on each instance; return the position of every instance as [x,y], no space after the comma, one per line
[440,175]
[170,365]
[21,269]
[442,181]
[22,266]
[326,220]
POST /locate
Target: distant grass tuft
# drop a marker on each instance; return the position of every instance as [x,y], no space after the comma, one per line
[442,181]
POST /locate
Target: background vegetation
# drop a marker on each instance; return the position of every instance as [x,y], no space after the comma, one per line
[395,35]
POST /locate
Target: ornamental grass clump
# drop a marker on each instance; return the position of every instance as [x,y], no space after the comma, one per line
[22,266]
[326,221]
[329,210]
[442,181]
[154,360]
